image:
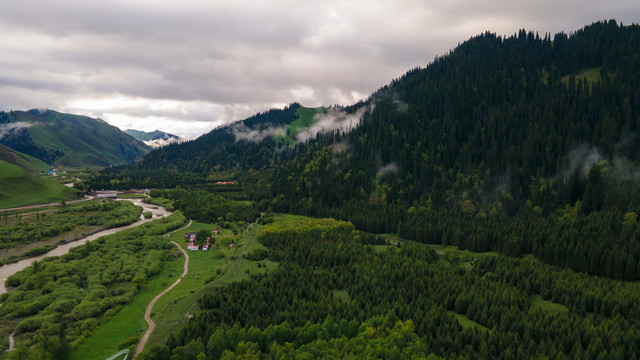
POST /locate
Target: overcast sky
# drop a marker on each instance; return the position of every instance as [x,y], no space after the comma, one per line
[186,66]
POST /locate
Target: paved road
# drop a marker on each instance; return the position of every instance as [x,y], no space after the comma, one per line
[86,198]
[147,314]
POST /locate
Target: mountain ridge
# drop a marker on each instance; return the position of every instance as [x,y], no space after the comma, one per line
[154,139]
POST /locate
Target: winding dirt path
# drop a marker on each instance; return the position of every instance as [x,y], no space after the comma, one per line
[147,314]
[11,343]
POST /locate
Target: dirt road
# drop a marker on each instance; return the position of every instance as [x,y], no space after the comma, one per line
[147,314]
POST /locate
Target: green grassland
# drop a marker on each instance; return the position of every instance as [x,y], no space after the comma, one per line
[589,75]
[342,295]
[18,187]
[28,163]
[219,266]
[305,119]
[129,321]
[538,303]
[467,323]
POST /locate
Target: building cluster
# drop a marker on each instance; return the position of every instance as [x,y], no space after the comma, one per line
[191,237]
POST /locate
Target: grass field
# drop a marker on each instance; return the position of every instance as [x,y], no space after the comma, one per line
[538,303]
[342,295]
[18,187]
[383,248]
[590,75]
[28,163]
[219,266]
[305,120]
[467,323]
[129,321]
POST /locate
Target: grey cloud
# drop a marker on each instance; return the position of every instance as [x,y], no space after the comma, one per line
[242,132]
[8,128]
[243,57]
[391,168]
[340,147]
[583,158]
[334,119]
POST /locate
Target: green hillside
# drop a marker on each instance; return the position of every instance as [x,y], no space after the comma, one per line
[18,187]
[69,140]
[305,118]
[28,163]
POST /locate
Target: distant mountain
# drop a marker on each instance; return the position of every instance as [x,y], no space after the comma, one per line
[68,140]
[154,138]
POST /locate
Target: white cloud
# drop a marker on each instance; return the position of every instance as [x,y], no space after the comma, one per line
[10,127]
[241,132]
[334,119]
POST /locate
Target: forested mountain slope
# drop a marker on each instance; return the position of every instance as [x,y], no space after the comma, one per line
[524,144]
[68,140]
[257,142]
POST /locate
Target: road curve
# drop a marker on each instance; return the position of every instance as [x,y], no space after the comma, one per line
[147,314]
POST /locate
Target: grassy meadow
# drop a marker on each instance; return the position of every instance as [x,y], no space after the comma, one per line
[18,188]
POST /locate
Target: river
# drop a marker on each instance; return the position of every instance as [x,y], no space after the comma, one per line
[10,269]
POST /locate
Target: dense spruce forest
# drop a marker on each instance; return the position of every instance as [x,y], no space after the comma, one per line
[524,144]
[332,295]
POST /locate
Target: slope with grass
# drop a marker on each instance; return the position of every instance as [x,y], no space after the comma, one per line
[28,163]
[68,140]
[305,118]
[18,187]
[221,265]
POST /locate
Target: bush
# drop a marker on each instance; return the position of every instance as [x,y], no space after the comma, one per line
[39,251]
[129,341]
[147,214]
[29,324]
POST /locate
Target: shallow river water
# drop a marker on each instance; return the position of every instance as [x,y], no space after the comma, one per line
[10,269]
